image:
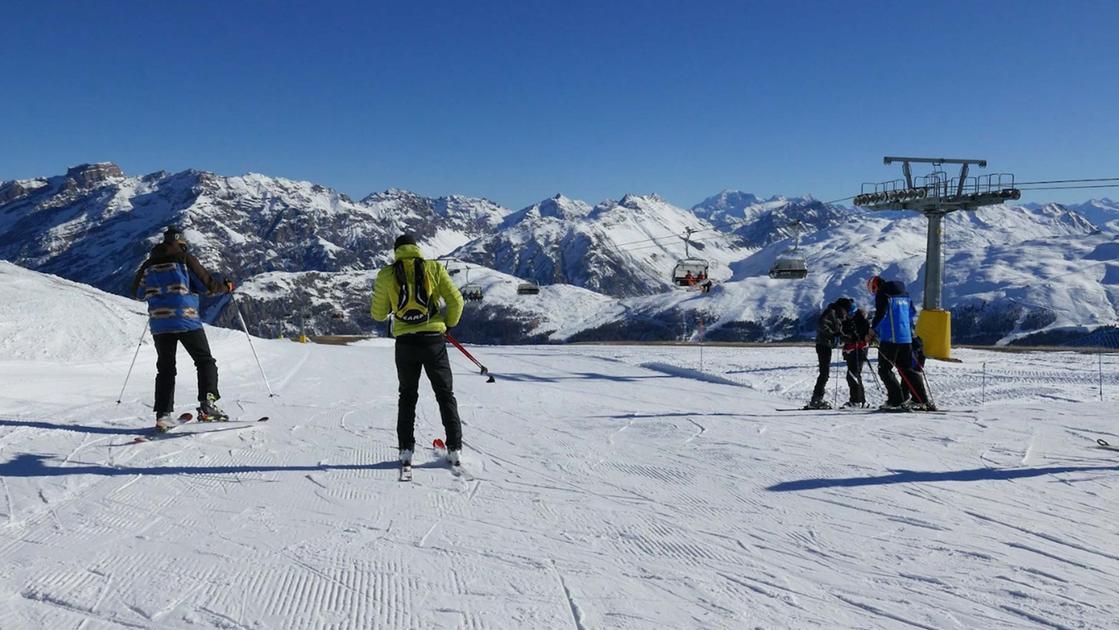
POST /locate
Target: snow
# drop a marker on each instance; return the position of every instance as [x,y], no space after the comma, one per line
[84,323]
[610,487]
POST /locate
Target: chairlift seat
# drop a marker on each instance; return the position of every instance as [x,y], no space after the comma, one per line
[528,288]
[697,267]
[471,292]
[788,268]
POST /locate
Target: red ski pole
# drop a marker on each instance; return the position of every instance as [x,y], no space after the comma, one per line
[458,345]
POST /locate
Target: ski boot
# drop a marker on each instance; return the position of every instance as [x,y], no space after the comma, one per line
[406,464]
[209,412]
[164,422]
[899,408]
[850,404]
[454,457]
[818,403]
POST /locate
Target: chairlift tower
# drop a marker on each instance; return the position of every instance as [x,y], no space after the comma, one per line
[936,195]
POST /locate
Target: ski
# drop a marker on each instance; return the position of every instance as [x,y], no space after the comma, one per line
[235,425]
[939,412]
[1102,443]
[154,434]
[866,410]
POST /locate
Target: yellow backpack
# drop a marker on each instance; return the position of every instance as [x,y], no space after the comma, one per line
[413,302]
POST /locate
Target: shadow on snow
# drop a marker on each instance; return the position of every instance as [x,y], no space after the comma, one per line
[30,465]
[76,428]
[630,416]
[919,476]
[592,376]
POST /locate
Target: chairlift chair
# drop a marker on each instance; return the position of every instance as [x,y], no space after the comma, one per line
[472,292]
[690,272]
[789,268]
[790,265]
[528,288]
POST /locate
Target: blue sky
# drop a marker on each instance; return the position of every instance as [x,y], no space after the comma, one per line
[516,101]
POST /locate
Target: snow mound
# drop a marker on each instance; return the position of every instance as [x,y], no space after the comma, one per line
[45,317]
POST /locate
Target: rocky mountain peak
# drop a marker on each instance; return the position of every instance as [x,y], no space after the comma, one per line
[89,175]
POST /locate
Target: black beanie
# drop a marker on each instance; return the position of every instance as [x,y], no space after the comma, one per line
[404,239]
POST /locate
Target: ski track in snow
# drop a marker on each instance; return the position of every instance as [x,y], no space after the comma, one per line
[599,494]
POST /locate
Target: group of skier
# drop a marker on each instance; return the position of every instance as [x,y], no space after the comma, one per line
[412,289]
[844,324]
[171,281]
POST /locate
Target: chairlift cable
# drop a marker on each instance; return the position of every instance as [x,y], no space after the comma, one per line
[1116,185]
[1069,181]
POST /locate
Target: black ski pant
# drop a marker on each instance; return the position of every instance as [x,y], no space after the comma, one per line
[427,352]
[823,354]
[199,349]
[855,360]
[900,356]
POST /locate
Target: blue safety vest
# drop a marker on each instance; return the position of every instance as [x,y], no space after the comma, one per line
[897,325]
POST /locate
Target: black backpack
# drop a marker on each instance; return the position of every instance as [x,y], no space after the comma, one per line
[413,304]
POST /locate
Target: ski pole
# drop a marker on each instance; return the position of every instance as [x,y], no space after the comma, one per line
[245,328]
[485,372]
[873,375]
[983,396]
[928,388]
[904,378]
[835,385]
[857,378]
[133,364]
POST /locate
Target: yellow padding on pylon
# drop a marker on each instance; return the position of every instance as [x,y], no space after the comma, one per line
[935,329]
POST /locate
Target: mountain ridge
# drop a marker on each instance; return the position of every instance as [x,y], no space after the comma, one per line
[95,224]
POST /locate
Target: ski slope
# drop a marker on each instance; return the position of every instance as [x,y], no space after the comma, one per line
[609,487]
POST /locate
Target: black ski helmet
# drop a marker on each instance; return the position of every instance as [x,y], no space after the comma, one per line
[174,234]
[404,239]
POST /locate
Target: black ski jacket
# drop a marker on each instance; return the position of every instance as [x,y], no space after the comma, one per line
[829,326]
[855,330]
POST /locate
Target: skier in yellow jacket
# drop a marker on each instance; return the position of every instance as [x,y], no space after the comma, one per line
[410,290]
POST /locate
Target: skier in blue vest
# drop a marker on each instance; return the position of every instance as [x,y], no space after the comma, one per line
[170,281]
[894,319]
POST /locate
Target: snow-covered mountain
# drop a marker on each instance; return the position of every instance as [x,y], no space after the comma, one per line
[95,225]
[305,254]
[1104,213]
[1012,273]
[623,248]
[760,222]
